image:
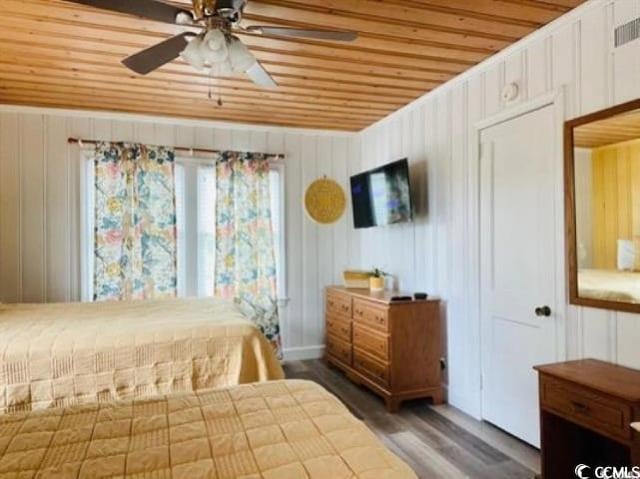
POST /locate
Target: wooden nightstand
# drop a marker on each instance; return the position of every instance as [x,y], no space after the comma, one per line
[587,411]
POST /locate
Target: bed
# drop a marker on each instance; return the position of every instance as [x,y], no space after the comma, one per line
[58,355]
[609,285]
[282,429]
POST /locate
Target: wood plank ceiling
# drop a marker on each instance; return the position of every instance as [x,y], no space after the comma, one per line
[619,128]
[59,54]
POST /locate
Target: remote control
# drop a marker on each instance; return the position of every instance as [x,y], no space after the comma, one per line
[401,298]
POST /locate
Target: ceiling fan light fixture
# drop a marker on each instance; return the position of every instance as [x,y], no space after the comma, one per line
[184,18]
[214,47]
[215,40]
[240,56]
[222,69]
[192,53]
[211,57]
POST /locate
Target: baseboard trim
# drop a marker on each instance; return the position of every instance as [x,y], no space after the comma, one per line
[304,352]
[464,404]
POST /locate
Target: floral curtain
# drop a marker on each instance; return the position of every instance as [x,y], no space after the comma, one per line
[245,255]
[135,222]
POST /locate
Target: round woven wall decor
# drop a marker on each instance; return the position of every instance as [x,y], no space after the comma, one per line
[325,201]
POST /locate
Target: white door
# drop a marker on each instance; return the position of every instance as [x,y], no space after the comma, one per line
[517,267]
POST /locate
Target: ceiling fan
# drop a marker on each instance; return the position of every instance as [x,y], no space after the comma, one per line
[216,48]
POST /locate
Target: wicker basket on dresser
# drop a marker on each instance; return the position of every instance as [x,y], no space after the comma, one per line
[393,348]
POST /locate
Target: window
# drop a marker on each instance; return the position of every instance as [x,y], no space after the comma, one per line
[278,201]
[195,210]
[195,187]
[87,240]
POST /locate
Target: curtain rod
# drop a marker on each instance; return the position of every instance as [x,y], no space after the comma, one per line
[190,151]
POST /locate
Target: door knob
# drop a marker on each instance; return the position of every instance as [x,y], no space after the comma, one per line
[543,311]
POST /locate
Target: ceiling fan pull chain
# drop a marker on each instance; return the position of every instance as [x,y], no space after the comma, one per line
[219,95]
[217,91]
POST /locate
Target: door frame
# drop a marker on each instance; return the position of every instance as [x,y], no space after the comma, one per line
[556,99]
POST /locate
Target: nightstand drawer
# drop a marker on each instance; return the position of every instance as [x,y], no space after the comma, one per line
[339,327]
[586,407]
[371,341]
[338,304]
[339,350]
[372,316]
[368,366]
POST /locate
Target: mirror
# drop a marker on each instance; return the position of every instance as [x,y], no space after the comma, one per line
[602,182]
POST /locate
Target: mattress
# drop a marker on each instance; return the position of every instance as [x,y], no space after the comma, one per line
[282,429]
[609,285]
[58,355]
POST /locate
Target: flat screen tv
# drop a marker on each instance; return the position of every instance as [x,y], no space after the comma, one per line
[382,196]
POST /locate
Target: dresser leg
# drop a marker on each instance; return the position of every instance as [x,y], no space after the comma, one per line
[438,397]
[392,405]
[354,379]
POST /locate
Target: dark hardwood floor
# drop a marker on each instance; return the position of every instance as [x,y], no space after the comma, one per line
[437,442]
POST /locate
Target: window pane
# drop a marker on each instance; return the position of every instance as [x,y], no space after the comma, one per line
[181,229]
[206,230]
[277,223]
[88,219]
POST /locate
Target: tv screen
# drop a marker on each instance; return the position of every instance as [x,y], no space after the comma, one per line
[382,196]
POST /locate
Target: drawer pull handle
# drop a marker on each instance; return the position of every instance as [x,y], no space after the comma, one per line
[579,407]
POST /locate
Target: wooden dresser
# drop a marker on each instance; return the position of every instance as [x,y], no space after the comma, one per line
[587,409]
[393,348]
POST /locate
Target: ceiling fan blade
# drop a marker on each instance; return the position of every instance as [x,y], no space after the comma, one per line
[151,9]
[260,76]
[154,57]
[304,33]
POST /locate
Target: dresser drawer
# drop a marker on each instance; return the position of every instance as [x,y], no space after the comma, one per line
[372,316]
[339,327]
[373,369]
[586,407]
[339,350]
[371,341]
[338,304]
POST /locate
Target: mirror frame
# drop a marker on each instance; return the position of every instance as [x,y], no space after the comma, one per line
[570,210]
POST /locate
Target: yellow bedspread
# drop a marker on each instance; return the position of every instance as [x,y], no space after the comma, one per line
[273,430]
[57,355]
[609,285]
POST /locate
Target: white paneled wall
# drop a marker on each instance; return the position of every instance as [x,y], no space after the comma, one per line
[40,204]
[576,52]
